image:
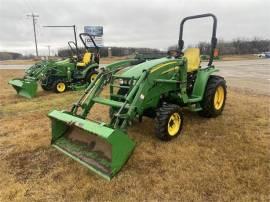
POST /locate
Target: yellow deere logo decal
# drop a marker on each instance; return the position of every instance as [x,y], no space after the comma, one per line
[170,70]
[162,65]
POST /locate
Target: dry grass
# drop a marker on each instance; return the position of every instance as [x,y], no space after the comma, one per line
[221,159]
[239,57]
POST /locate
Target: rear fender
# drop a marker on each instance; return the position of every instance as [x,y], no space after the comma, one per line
[120,64]
[90,68]
[201,81]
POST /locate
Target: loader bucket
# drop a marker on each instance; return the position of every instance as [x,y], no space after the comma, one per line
[25,87]
[101,149]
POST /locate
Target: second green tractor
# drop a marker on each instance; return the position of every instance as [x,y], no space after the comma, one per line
[73,73]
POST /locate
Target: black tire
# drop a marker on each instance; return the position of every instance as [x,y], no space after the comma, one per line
[56,86]
[45,85]
[209,109]
[89,76]
[163,117]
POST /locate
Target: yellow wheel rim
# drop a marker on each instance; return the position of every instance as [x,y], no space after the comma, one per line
[174,124]
[93,77]
[219,97]
[61,87]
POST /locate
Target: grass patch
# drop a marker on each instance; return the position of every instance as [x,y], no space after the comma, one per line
[220,159]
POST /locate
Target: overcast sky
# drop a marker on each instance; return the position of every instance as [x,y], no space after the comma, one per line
[140,23]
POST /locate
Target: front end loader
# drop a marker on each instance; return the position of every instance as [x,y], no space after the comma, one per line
[158,89]
[27,86]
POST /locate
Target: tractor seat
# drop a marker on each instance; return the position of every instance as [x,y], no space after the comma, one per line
[193,59]
[86,60]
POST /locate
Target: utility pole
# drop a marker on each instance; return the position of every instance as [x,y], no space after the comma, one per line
[74,31]
[49,50]
[34,18]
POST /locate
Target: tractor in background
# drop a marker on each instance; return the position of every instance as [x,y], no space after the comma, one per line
[73,73]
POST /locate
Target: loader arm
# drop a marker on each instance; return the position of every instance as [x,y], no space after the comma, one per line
[37,74]
[94,89]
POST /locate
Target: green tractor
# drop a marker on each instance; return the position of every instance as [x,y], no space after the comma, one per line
[74,73]
[158,88]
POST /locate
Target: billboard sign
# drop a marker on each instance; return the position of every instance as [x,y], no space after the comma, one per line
[94,30]
[97,33]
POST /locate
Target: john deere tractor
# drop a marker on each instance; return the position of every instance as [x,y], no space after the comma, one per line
[159,89]
[74,73]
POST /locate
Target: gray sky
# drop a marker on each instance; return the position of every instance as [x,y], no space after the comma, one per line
[140,23]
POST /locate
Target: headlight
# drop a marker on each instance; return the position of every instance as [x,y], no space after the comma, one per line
[124,82]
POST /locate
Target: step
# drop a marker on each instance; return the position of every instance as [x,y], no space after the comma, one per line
[194,99]
[118,96]
[123,77]
[120,86]
[109,102]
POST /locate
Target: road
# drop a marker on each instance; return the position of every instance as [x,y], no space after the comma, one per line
[246,74]
[14,66]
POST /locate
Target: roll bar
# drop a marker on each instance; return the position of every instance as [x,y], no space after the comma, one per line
[93,41]
[70,43]
[213,39]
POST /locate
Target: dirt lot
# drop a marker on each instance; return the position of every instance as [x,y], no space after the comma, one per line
[250,75]
[220,159]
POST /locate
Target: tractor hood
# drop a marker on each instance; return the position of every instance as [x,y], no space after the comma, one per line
[62,62]
[136,70]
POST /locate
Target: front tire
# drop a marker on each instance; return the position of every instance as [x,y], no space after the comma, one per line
[168,122]
[59,86]
[214,97]
[45,85]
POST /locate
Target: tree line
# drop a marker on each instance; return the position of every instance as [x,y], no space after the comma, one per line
[115,51]
[237,46]
[10,56]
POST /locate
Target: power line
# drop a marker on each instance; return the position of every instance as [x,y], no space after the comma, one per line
[74,31]
[34,18]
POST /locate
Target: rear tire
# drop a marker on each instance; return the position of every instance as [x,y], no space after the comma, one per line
[168,122]
[91,76]
[214,97]
[59,86]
